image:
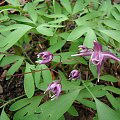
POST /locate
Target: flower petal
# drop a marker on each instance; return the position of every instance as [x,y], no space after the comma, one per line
[88,53]
[110,55]
[98,70]
[97,46]
[97,58]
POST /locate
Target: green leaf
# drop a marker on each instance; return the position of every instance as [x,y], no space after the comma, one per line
[18,33]
[89,38]
[79,6]
[56,46]
[73,111]
[112,33]
[74,46]
[4,115]
[1,56]
[11,27]
[47,77]
[115,24]
[59,20]
[77,33]
[62,118]
[109,78]
[25,107]
[53,110]
[112,89]
[44,30]
[32,12]
[14,67]
[21,18]
[52,25]
[85,23]
[38,75]
[96,90]
[88,103]
[28,82]
[92,15]
[66,4]
[115,13]
[13,2]
[8,7]
[66,58]
[113,101]
[93,69]
[57,8]
[105,112]
[9,59]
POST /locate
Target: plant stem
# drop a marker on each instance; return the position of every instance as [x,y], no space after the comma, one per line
[11,101]
[88,89]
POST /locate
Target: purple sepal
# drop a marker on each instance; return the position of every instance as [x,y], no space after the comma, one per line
[54,89]
[46,57]
[74,75]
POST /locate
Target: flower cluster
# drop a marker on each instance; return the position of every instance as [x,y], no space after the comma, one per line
[98,56]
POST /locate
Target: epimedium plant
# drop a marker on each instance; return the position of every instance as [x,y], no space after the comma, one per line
[59,24]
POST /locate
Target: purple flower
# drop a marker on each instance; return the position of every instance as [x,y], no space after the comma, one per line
[46,57]
[74,74]
[54,89]
[97,55]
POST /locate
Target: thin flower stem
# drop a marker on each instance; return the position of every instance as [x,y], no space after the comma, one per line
[57,73]
[27,56]
[21,74]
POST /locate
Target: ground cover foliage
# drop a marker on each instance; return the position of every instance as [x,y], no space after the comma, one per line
[28,28]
